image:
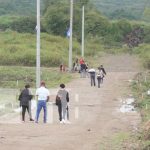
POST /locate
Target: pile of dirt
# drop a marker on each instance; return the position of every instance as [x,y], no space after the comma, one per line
[135,37]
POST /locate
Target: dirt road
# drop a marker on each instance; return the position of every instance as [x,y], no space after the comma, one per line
[94,115]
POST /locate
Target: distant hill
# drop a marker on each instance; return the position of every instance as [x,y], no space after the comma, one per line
[17,7]
[114,9]
[130,9]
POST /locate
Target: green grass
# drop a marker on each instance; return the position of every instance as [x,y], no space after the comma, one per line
[14,78]
[115,142]
[20,49]
[140,88]
[17,77]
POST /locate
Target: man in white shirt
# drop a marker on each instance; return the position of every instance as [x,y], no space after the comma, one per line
[42,94]
[92,72]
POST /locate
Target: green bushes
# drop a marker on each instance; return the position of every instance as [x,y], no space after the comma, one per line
[24,24]
[144,52]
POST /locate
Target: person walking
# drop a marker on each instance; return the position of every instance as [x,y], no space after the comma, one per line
[83,70]
[25,102]
[42,94]
[62,100]
[99,77]
[101,68]
[92,72]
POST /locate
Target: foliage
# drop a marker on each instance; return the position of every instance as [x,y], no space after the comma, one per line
[18,7]
[146,14]
[24,24]
[129,9]
[121,13]
[19,49]
[144,52]
[56,19]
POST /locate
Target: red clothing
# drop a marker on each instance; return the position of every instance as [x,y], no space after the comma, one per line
[81,61]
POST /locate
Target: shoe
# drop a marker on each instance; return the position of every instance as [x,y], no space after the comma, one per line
[61,122]
[31,119]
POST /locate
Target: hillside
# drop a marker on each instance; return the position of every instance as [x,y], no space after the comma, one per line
[17,7]
[131,9]
[114,9]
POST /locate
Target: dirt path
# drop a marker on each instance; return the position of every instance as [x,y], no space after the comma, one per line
[93,112]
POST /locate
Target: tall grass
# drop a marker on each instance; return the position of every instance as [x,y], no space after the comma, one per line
[20,49]
[144,52]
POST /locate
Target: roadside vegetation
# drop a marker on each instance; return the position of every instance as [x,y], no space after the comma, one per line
[140,88]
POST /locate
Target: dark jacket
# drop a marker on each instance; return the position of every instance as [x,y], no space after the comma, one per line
[101,68]
[25,97]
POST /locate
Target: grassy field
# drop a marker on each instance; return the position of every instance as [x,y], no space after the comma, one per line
[20,49]
[17,77]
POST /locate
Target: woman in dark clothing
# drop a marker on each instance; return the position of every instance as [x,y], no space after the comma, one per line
[25,97]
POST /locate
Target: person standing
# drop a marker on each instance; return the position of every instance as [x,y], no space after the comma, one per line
[62,103]
[25,98]
[92,76]
[42,94]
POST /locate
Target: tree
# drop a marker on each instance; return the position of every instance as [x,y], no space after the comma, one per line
[25,24]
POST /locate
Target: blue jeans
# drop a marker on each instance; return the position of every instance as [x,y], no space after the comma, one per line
[40,105]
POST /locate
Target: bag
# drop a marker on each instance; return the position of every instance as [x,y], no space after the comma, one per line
[67,97]
[20,97]
[58,100]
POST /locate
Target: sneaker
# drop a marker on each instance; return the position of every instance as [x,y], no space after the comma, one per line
[31,119]
[61,122]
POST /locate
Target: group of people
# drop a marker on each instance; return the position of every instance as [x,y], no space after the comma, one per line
[99,74]
[62,97]
[43,96]
[86,72]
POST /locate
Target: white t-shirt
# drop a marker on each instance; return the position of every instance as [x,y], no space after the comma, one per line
[42,93]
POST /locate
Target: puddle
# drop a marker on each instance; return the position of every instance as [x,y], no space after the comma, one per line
[127,105]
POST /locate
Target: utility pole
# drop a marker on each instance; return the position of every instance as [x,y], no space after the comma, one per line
[82,32]
[38,72]
[70,41]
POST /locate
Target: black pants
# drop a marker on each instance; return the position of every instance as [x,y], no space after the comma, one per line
[99,82]
[60,111]
[92,79]
[24,111]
